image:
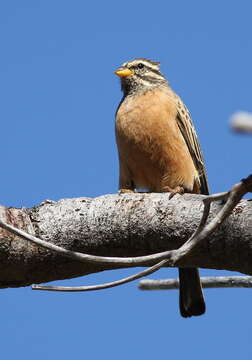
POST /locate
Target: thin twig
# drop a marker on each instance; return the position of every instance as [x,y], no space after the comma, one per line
[136,276]
[86,258]
[233,197]
[206,282]
[207,204]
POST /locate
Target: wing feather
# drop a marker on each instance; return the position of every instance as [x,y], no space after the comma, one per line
[189,134]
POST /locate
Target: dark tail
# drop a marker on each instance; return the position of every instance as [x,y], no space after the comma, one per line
[191,299]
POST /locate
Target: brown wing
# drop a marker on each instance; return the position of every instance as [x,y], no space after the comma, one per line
[187,130]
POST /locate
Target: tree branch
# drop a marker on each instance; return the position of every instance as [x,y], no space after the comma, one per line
[206,282]
[125,225]
[173,256]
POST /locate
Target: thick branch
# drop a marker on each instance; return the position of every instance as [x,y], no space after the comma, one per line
[118,225]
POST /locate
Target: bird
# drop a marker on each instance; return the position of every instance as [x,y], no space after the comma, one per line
[159,151]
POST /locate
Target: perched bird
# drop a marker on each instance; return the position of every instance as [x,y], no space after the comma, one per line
[159,151]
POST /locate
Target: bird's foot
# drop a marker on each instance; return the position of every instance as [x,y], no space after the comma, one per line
[125,191]
[177,190]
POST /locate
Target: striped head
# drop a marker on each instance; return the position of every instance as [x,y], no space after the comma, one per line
[140,75]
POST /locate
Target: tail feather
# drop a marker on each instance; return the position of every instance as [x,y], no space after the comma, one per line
[191,299]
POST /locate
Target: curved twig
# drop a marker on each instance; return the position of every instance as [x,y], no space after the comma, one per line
[136,276]
[86,258]
[207,204]
[233,197]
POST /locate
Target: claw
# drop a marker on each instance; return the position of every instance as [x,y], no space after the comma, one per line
[125,191]
[177,190]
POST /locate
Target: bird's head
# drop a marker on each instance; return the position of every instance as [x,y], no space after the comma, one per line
[140,75]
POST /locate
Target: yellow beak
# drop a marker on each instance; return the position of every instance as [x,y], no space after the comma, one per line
[123,72]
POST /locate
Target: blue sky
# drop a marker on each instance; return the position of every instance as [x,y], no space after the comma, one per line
[58,97]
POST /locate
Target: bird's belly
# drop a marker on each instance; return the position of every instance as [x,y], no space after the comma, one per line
[156,164]
[145,171]
[152,148]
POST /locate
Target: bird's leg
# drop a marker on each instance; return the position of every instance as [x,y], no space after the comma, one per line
[126,187]
[126,184]
[177,190]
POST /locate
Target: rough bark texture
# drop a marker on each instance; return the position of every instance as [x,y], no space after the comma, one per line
[118,225]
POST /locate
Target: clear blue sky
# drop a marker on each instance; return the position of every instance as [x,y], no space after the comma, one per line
[58,96]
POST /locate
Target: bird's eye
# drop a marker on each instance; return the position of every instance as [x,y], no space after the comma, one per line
[140,66]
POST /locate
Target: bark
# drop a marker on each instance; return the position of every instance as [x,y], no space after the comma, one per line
[119,225]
